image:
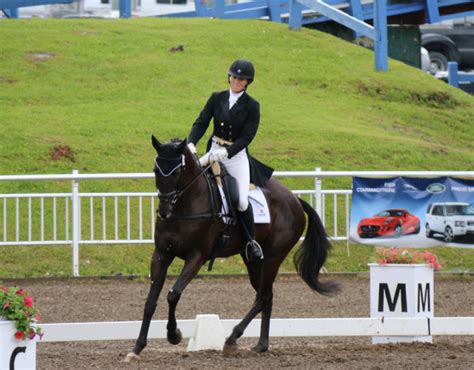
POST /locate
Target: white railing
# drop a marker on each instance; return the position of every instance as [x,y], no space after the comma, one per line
[128,217]
[360,326]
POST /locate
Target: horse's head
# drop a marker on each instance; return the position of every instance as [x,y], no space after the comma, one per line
[170,172]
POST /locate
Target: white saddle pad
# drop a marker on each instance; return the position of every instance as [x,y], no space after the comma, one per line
[261,212]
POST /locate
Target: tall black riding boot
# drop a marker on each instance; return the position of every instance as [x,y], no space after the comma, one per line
[253,251]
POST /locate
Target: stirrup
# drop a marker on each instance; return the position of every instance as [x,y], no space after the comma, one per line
[256,251]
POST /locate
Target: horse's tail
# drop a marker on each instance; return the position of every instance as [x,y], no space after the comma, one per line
[310,257]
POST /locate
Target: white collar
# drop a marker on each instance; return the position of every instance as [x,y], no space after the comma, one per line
[235,95]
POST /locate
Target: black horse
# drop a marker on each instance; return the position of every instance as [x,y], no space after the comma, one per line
[187,228]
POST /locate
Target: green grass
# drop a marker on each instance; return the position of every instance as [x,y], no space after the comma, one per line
[110,84]
[112,260]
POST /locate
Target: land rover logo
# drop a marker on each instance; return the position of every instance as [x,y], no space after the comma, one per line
[435,188]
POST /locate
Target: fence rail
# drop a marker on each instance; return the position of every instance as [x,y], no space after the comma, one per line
[387,326]
[77,218]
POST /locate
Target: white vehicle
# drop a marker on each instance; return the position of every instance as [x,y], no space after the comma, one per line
[451,219]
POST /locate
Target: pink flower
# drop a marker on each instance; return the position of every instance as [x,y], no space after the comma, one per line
[28,301]
[32,334]
[19,335]
[6,305]
[20,292]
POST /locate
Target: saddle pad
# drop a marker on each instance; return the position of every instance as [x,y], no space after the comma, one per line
[261,212]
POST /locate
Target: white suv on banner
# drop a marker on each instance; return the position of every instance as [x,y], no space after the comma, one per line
[451,219]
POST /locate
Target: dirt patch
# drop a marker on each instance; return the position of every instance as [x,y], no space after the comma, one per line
[433,99]
[436,99]
[82,300]
[61,151]
[6,80]
[40,56]
[86,33]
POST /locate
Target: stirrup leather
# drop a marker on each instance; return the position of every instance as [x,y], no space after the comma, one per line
[254,244]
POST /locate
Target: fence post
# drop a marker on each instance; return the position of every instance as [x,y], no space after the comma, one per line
[453,77]
[76,219]
[317,195]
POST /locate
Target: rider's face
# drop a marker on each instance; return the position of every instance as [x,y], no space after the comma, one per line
[238,84]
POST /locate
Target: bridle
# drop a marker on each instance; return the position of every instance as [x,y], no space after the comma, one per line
[173,196]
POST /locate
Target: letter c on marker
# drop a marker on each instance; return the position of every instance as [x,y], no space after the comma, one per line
[15,352]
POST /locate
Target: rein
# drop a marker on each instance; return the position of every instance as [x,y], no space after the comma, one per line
[172,197]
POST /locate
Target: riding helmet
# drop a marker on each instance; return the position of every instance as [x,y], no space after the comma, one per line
[242,68]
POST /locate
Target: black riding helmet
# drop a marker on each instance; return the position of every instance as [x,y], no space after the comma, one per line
[242,68]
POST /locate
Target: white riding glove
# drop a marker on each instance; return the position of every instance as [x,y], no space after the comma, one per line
[204,160]
[192,148]
[218,155]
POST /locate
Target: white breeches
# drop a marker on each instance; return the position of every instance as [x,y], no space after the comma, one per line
[238,167]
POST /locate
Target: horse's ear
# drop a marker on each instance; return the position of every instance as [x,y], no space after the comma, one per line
[155,142]
[182,146]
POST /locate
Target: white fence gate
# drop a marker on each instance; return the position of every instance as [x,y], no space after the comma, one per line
[128,217]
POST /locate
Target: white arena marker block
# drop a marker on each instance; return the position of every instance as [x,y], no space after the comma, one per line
[209,334]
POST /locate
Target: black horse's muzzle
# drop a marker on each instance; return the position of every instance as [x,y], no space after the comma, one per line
[167,202]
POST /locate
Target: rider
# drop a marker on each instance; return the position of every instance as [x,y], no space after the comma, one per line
[236,119]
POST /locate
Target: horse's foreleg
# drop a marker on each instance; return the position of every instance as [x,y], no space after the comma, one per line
[159,267]
[190,270]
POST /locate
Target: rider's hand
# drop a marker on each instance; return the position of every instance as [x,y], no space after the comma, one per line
[218,155]
[192,148]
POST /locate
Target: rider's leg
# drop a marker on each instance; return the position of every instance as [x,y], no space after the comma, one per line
[239,168]
[253,249]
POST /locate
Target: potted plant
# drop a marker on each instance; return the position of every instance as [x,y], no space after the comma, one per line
[18,328]
[400,256]
[401,285]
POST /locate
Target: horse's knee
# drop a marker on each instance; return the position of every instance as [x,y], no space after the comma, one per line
[173,297]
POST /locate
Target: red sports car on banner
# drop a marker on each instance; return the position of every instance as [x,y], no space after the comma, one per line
[389,223]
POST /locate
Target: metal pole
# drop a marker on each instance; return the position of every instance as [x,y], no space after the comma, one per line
[76,216]
[453,78]
[125,8]
[381,43]
[318,194]
[218,8]
[296,16]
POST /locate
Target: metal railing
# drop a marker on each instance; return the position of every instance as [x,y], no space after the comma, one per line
[77,218]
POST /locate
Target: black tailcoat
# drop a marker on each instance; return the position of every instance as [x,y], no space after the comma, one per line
[237,125]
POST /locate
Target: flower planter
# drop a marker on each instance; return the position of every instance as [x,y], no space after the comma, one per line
[14,353]
[401,290]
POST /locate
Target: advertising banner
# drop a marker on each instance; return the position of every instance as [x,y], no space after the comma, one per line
[413,212]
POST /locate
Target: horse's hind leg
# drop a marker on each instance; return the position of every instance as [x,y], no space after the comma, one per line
[190,270]
[254,271]
[159,267]
[265,295]
[262,278]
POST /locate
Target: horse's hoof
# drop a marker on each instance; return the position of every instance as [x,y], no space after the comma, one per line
[132,358]
[174,337]
[230,349]
[260,348]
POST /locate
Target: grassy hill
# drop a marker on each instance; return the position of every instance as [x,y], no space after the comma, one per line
[87,95]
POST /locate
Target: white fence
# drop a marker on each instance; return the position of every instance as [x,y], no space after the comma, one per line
[388,326]
[77,218]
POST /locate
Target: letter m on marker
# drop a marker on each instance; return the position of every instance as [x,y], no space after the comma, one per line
[424,300]
[400,292]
